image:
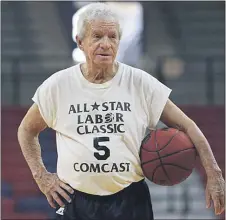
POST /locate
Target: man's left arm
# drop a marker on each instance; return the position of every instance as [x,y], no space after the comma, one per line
[172,116]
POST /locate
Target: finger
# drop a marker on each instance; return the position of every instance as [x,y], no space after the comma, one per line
[208,199]
[66,187]
[57,199]
[50,201]
[63,194]
[222,202]
[217,205]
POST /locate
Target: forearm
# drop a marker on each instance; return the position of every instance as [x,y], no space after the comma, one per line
[204,150]
[31,150]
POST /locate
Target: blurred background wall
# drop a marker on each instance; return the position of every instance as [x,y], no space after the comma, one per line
[180,43]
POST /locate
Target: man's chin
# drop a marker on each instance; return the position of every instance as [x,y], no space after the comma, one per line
[104,62]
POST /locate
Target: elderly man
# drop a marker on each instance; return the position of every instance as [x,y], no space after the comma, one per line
[100,110]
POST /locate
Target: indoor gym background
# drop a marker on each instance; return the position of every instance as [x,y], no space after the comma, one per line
[181,43]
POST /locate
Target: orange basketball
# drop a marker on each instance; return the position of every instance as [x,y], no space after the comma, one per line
[167,156]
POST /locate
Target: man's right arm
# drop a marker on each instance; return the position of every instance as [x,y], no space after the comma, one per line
[28,132]
[29,129]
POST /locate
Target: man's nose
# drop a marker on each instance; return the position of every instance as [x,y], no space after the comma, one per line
[105,43]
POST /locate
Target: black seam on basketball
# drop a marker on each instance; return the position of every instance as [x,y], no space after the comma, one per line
[146,138]
[175,165]
[168,141]
[154,171]
[166,155]
[152,178]
[164,170]
[181,179]
[157,143]
[156,146]
[149,135]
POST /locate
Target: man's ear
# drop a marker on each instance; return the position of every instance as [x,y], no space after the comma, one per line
[79,43]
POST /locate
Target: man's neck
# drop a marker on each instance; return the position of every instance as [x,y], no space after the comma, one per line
[99,74]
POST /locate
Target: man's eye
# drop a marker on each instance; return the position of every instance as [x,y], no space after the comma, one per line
[97,36]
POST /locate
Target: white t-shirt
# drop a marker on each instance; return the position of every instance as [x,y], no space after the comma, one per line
[100,127]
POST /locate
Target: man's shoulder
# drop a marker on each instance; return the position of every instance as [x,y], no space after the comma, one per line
[137,73]
[64,73]
[134,70]
[61,76]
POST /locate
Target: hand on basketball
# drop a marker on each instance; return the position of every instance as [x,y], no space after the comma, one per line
[215,190]
[52,187]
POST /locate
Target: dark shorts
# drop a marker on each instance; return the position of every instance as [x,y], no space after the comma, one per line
[132,203]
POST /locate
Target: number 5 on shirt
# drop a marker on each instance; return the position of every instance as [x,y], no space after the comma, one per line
[96,143]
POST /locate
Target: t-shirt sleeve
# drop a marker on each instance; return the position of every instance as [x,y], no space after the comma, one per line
[156,94]
[45,97]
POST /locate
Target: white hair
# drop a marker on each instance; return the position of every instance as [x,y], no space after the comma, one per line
[95,11]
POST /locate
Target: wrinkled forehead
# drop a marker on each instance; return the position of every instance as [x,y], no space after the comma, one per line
[103,26]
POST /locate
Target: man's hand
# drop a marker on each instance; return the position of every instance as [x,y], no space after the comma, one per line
[52,187]
[215,190]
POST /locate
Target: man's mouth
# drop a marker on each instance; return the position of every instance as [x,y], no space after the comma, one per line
[105,55]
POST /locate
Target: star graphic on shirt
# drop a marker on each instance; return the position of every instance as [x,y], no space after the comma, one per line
[95,106]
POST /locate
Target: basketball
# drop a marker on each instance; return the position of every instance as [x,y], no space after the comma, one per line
[167,156]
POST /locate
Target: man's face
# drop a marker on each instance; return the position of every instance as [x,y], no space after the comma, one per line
[101,41]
